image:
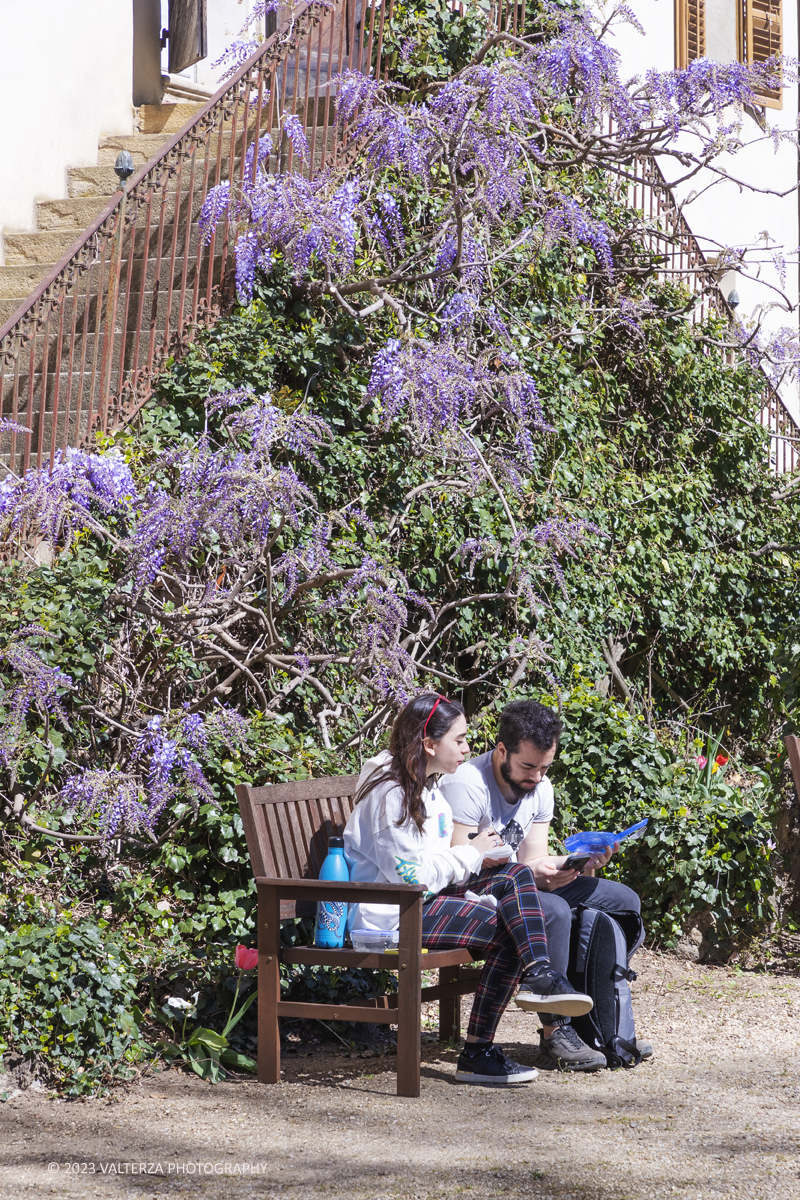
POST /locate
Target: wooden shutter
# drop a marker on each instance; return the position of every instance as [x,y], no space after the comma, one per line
[690,31]
[188,41]
[762,40]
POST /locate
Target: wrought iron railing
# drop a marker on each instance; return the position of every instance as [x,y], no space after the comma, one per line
[669,238]
[82,352]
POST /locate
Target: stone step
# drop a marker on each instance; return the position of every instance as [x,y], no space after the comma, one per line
[177,90]
[142,148]
[70,427]
[20,280]
[73,392]
[166,119]
[66,214]
[49,246]
[103,180]
[7,309]
[91,181]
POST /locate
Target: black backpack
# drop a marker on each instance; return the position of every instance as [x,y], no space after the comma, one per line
[601,948]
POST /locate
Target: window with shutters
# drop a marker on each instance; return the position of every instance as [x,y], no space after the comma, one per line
[760,39]
[690,31]
[753,34]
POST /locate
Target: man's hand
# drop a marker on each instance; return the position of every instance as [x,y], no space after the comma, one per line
[600,860]
[548,874]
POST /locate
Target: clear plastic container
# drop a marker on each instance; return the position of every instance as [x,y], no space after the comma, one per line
[374,941]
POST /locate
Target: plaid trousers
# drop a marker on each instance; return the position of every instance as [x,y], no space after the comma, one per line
[511,938]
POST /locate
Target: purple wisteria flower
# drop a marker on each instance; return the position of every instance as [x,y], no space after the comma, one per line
[261,154]
[232,496]
[382,617]
[563,535]
[54,503]
[114,798]
[9,426]
[441,387]
[213,209]
[294,131]
[570,221]
[163,767]
[302,219]
[34,685]
[387,224]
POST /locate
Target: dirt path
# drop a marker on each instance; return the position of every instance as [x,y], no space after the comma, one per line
[715,1114]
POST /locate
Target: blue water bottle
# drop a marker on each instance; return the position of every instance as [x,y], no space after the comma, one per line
[332,915]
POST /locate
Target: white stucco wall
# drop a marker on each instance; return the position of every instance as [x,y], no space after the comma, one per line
[65,81]
[726,214]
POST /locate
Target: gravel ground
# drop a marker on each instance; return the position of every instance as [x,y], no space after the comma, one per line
[714,1114]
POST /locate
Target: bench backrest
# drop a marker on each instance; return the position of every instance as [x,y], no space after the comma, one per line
[287,826]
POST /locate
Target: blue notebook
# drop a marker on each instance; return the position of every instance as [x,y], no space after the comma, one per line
[595,843]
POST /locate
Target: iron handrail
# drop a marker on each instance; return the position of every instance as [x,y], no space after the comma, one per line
[149,167]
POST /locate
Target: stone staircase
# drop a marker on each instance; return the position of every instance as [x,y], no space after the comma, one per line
[74,371]
[30,256]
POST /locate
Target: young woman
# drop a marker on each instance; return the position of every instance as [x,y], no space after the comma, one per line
[400,831]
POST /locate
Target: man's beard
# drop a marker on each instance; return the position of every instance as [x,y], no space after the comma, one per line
[518,789]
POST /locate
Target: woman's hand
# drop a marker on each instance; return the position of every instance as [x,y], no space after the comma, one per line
[486,841]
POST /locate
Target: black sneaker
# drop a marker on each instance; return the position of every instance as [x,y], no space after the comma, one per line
[565,1051]
[547,991]
[479,1063]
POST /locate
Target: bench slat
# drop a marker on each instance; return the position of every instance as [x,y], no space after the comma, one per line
[337,1012]
[295,844]
[310,956]
[302,789]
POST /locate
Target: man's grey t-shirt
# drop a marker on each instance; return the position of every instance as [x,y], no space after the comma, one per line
[475,799]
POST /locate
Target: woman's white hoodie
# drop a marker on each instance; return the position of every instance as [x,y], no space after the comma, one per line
[379,851]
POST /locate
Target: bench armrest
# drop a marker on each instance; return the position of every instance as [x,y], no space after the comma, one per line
[354,893]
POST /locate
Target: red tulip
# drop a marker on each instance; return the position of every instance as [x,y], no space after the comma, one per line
[246,959]
[721,759]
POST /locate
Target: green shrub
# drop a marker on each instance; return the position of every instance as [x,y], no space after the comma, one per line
[68,1003]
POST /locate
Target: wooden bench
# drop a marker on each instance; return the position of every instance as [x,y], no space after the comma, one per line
[287,827]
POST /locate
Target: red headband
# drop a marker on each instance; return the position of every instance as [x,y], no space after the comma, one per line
[439,700]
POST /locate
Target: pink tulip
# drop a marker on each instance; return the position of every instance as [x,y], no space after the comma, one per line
[246,959]
[701,761]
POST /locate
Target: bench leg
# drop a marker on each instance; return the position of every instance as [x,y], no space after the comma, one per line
[409,999]
[269,985]
[449,1008]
